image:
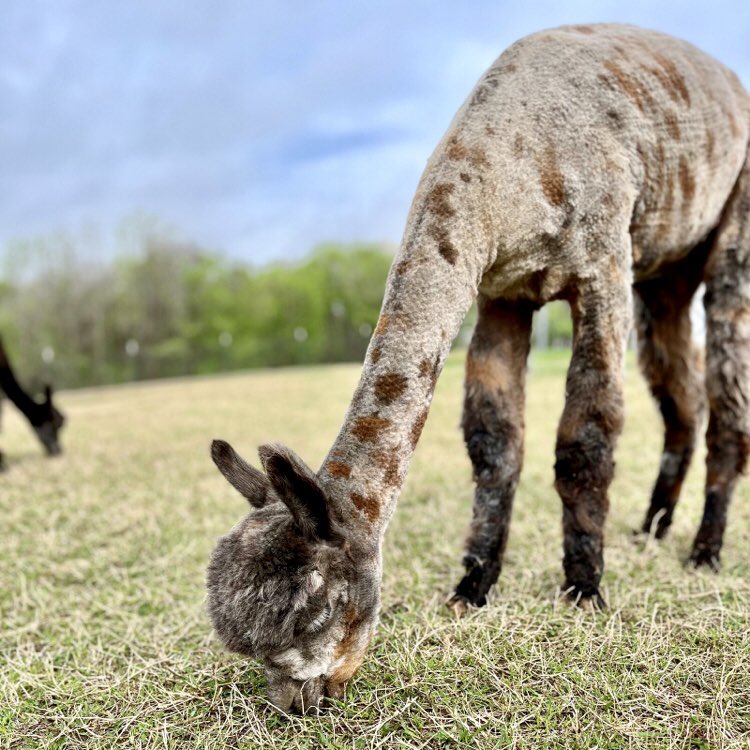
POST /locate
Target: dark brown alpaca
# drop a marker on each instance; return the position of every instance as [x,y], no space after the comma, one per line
[44,418]
[593,164]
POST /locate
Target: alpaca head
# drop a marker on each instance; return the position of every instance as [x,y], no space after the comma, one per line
[48,424]
[288,585]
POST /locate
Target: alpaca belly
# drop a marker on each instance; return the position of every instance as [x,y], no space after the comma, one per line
[537,285]
[650,256]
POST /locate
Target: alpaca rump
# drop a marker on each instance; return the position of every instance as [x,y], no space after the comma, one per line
[595,164]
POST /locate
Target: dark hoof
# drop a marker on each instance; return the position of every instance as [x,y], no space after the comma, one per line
[585,598]
[705,557]
[474,585]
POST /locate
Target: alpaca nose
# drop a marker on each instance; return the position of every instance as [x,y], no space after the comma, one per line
[292,696]
[307,699]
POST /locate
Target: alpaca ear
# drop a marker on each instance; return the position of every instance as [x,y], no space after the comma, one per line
[298,488]
[249,482]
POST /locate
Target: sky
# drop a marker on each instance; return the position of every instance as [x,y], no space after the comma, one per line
[260,128]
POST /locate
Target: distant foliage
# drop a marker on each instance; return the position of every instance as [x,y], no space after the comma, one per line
[161,307]
[174,309]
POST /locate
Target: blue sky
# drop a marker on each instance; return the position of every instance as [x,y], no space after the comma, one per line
[260,128]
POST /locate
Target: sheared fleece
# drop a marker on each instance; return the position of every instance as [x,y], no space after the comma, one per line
[583,153]
[588,160]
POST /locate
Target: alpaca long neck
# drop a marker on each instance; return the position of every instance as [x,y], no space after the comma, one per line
[431,285]
[15,393]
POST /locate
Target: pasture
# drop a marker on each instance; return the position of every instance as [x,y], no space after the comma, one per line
[104,641]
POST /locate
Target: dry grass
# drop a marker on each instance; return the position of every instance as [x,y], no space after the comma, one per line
[105,643]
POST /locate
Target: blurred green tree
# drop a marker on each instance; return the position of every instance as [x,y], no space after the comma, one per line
[161,307]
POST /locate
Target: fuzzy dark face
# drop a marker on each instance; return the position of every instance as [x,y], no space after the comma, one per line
[286,587]
[52,422]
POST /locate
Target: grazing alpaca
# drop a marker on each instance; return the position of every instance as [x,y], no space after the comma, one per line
[588,162]
[44,418]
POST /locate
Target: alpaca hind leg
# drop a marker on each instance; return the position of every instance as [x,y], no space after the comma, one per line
[670,363]
[591,422]
[493,430]
[727,303]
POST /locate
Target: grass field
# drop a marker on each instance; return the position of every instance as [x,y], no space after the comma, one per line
[105,643]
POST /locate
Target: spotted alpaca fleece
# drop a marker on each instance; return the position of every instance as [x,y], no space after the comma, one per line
[597,164]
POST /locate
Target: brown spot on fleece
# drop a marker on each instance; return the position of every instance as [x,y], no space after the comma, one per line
[671,78]
[673,127]
[434,372]
[388,461]
[368,429]
[633,88]
[417,427]
[383,322]
[430,367]
[456,151]
[381,459]
[337,469]
[687,182]
[402,267]
[445,246]
[390,476]
[375,355]
[664,230]
[368,505]
[389,386]
[448,252]
[438,200]
[551,178]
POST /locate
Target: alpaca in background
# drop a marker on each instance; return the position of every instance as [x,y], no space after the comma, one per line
[43,417]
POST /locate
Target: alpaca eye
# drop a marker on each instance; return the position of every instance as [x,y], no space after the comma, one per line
[321,619]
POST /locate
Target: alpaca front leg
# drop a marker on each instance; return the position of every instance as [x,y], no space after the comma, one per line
[493,431]
[591,422]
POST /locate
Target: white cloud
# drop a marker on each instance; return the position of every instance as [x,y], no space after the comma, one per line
[260,127]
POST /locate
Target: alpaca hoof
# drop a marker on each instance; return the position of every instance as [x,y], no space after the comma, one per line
[458,604]
[585,599]
[705,557]
[592,603]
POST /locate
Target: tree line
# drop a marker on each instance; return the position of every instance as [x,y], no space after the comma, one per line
[168,308]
